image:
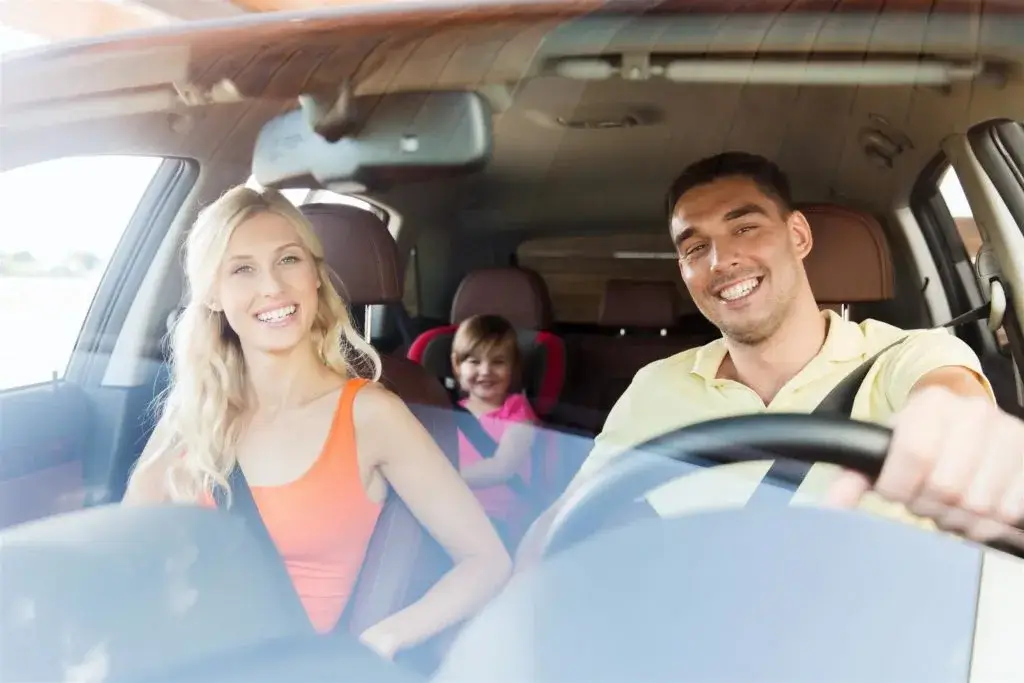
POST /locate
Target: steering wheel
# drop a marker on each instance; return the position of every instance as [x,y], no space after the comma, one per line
[804,438]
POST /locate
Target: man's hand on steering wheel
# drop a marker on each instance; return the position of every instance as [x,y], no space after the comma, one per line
[956,459]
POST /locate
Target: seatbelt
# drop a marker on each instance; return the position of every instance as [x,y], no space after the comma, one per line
[244,507]
[784,477]
[484,444]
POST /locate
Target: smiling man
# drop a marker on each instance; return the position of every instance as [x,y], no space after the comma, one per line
[955,458]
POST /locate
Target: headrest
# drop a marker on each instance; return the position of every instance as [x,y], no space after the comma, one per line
[850,261]
[360,250]
[517,294]
[635,303]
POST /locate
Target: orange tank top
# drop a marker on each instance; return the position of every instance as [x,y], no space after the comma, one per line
[322,522]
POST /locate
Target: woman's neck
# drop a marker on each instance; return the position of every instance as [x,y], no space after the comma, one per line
[279,381]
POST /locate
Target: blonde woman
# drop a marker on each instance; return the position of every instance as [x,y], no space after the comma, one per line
[266,374]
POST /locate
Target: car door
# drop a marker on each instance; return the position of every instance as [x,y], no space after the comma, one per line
[78,235]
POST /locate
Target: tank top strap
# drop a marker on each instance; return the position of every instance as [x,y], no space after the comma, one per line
[342,437]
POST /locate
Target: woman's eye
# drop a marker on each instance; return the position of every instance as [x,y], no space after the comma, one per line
[241,269]
[291,258]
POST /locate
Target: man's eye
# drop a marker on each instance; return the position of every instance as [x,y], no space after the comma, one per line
[745,228]
[694,249]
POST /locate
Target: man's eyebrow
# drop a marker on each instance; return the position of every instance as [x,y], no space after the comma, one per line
[684,234]
[745,210]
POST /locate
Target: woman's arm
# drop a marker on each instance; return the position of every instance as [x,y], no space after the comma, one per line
[147,483]
[390,438]
[514,447]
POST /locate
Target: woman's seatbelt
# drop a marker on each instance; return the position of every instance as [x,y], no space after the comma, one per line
[243,506]
[787,475]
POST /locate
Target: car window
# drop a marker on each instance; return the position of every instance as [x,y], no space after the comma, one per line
[956,201]
[62,221]
[576,269]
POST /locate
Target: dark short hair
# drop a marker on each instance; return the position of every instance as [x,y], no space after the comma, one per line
[768,177]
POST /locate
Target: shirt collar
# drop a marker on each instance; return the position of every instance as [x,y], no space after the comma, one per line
[844,342]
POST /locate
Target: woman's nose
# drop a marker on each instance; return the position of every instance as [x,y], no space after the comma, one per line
[270,282]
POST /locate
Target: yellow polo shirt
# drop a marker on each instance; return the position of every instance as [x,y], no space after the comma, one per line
[683,390]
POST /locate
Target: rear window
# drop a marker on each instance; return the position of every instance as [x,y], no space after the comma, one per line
[576,268]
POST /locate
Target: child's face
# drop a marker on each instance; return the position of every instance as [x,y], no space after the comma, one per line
[486,376]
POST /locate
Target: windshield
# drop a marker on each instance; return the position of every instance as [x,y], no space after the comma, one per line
[520,343]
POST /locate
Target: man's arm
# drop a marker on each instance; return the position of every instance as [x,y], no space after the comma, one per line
[956,379]
[955,456]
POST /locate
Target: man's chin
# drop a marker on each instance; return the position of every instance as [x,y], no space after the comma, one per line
[748,333]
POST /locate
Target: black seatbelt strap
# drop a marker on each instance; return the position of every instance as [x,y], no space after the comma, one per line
[840,400]
[784,477]
[484,444]
[244,507]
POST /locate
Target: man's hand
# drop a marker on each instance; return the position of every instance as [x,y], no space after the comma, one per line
[955,458]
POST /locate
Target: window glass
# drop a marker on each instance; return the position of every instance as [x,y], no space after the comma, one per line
[62,222]
[956,201]
[577,268]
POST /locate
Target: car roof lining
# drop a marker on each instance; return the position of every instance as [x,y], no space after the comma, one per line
[538,172]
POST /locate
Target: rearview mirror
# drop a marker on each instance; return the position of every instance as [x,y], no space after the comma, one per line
[399,137]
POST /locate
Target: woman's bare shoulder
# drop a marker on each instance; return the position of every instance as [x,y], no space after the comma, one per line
[375,403]
[147,482]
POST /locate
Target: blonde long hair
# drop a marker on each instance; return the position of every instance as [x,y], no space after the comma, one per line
[201,412]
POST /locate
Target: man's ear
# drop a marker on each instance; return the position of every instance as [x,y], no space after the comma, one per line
[800,233]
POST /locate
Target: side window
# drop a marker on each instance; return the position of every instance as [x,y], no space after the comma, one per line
[956,201]
[62,221]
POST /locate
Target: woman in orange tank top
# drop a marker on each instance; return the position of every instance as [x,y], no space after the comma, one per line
[265,366]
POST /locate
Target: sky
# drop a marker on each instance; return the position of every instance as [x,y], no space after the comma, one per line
[11,39]
[65,205]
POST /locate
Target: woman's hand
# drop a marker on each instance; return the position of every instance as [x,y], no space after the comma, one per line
[398,445]
[381,639]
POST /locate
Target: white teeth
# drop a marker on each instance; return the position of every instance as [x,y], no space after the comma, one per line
[276,314]
[739,290]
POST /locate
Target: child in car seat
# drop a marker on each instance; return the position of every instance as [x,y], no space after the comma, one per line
[494,460]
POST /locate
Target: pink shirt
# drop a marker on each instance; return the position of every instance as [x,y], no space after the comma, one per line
[501,502]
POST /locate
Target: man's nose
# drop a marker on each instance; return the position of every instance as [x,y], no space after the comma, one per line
[723,255]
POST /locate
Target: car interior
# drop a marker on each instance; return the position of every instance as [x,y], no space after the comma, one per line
[531,147]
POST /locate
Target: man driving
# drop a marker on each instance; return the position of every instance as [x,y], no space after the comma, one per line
[955,459]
